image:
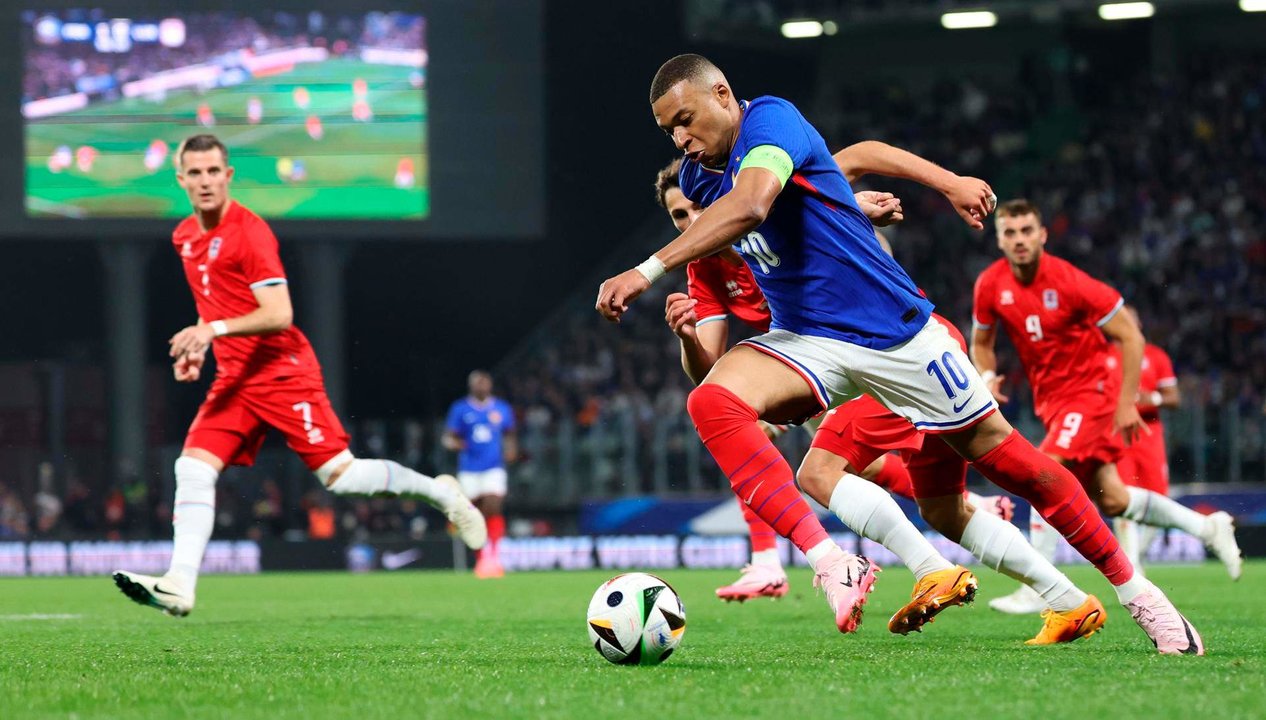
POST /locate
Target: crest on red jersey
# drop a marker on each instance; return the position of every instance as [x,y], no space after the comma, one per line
[214,251]
[1050,299]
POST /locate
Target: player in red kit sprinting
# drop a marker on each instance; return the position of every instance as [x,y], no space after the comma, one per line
[1057,317]
[1145,463]
[859,435]
[267,376]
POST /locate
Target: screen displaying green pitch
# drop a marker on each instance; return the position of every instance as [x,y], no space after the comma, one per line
[324,114]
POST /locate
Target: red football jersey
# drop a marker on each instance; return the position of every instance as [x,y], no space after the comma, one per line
[1156,372]
[723,288]
[224,266]
[1054,323]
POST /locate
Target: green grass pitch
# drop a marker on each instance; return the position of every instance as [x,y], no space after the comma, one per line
[430,644]
[350,170]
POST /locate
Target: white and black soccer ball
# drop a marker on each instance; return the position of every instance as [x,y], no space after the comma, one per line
[636,619]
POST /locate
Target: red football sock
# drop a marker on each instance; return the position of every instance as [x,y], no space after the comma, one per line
[757,471]
[762,535]
[1019,468]
[496,531]
[894,477]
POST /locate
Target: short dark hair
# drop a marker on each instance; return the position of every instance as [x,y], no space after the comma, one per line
[683,67]
[1018,208]
[201,143]
[665,180]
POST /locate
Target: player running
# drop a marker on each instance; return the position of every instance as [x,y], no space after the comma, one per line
[1057,317]
[1145,463]
[846,319]
[267,376]
[859,434]
[480,428]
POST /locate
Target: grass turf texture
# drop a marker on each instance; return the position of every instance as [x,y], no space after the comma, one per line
[445,645]
[350,171]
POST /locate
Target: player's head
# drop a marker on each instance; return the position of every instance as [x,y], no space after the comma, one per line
[203,170]
[694,105]
[1021,234]
[681,209]
[479,382]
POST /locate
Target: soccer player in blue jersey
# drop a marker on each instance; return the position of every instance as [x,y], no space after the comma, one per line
[480,428]
[847,320]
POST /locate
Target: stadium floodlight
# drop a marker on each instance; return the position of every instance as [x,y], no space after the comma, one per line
[801,29]
[968,19]
[1126,10]
[1253,5]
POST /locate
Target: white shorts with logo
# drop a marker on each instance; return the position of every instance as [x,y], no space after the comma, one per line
[928,379]
[484,482]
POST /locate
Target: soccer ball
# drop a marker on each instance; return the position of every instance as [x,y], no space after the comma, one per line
[636,619]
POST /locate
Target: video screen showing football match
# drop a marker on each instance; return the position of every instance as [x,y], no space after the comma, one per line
[325,113]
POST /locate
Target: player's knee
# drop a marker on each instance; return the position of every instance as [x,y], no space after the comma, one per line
[333,469]
[195,481]
[1113,503]
[710,401]
[816,479]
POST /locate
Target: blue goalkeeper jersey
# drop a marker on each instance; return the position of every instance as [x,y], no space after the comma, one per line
[481,425]
[815,256]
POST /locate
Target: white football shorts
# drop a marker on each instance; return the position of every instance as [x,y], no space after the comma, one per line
[492,481]
[928,379]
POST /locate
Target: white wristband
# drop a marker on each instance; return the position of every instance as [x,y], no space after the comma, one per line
[988,376]
[652,268]
[219,327]
[1156,398]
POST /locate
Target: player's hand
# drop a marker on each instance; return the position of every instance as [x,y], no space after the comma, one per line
[1129,423]
[679,313]
[972,199]
[188,367]
[615,294]
[883,208]
[194,339]
[995,388]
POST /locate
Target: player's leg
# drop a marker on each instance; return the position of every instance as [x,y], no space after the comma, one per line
[764,576]
[940,477]
[744,386]
[301,411]
[930,380]
[491,503]
[1144,506]
[889,472]
[1127,531]
[847,440]
[223,432]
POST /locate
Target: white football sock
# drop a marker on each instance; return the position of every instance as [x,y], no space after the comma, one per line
[373,477]
[818,553]
[767,557]
[1127,532]
[1131,588]
[1043,537]
[1155,509]
[1000,545]
[1147,536]
[192,519]
[872,513]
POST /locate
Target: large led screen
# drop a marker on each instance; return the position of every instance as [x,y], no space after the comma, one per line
[324,113]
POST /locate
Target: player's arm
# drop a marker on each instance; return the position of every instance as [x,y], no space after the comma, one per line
[1167,394]
[984,356]
[1121,329]
[702,343]
[971,197]
[452,439]
[764,172]
[510,446]
[274,314]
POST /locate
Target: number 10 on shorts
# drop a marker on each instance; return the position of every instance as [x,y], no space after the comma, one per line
[948,371]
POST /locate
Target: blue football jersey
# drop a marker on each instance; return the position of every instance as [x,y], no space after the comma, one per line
[816,256]
[481,426]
